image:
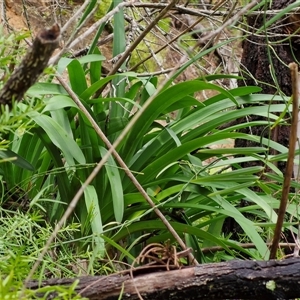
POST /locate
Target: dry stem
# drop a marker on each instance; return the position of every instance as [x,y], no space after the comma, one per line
[290,161]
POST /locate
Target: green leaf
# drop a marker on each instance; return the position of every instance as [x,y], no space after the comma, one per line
[60,138]
[252,196]
[77,77]
[95,68]
[114,125]
[159,104]
[91,6]
[92,206]
[40,89]
[178,153]
[58,102]
[122,250]
[119,45]
[220,76]
[226,210]
[16,159]
[115,185]
[65,61]
[97,85]
[91,58]
[244,151]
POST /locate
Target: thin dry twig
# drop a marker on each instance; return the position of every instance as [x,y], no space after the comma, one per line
[133,46]
[158,257]
[229,22]
[165,255]
[75,16]
[122,165]
[182,9]
[175,38]
[203,14]
[79,27]
[290,161]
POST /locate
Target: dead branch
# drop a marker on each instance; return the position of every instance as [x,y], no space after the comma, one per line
[31,67]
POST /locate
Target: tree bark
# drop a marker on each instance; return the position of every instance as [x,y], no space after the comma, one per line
[264,62]
[271,50]
[227,280]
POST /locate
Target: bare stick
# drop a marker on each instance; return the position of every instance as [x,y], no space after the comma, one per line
[31,67]
[75,16]
[79,27]
[290,161]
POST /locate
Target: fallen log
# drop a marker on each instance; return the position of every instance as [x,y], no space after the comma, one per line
[227,280]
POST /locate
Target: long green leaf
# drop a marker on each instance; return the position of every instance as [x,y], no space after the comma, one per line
[92,205]
[77,77]
[40,89]
[160,104]
[116,186]
[60,138]
[16,159]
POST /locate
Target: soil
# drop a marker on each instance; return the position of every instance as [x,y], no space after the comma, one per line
[35,14]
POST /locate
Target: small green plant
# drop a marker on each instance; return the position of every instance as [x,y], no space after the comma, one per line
[50,148]
[169,160]
[23,236]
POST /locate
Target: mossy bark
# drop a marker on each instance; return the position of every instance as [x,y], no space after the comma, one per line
[31,67]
